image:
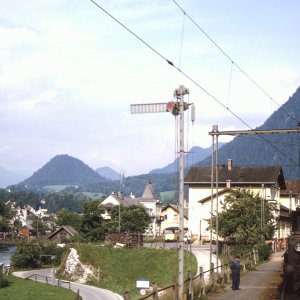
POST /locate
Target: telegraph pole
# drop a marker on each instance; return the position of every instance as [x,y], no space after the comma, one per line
[179,93]
[176,108]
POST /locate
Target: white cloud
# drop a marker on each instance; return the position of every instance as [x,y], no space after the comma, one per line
[16,37]
[68,74]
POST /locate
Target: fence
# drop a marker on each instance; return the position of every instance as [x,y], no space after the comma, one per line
[49,280]
[197,286]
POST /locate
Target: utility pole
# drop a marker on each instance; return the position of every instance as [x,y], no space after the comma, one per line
[122,172]
[176,108]
[179,93]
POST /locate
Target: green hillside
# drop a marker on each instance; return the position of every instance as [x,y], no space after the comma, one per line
[254,150]
[120,268]
[63,170]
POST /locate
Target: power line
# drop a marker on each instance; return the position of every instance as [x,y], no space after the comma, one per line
[271,141]
[233,63]
[185,74]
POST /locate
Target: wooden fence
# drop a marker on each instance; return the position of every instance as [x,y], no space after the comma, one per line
[197,286]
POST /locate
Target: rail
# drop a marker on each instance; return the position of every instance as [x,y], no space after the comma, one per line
[60,282]
[197,286]
[48,279]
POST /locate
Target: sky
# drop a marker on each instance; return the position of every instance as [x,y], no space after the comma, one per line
[69,72]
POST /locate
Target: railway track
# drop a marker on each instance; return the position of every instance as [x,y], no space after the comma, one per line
[286,294]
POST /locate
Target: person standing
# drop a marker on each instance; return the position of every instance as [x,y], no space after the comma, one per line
[235,267]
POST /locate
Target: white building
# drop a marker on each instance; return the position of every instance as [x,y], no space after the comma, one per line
[265,180]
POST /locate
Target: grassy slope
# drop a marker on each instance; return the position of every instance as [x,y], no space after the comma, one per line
[20,289]
[120,268]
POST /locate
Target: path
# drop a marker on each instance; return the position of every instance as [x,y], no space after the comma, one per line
[201,253]
[87,292]
[259,284]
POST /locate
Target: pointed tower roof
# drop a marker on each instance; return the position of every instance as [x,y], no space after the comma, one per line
[149,193]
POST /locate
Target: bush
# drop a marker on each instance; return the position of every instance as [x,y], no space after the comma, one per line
[4,283]
[264,251]
[29,254]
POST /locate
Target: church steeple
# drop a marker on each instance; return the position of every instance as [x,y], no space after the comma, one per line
[149,192]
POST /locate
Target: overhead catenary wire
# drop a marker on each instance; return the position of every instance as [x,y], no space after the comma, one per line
[229,83]
[232,61]
[181,40]
[189,77]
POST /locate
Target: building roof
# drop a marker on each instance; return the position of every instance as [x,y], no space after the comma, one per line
[220,192]
[122,199]
[28,224]
[238,176]
[149,193]
[292,188]
[69,229]
[176,208]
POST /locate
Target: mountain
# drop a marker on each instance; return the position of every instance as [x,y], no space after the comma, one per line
[108,173]
[195,155]
[8,178]
[268,149]
[251,150]
[63,170]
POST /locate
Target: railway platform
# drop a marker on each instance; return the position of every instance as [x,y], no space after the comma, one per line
[260,284]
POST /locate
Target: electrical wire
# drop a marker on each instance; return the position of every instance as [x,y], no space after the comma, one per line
[187,76]
[237,66]
[181,40]
[229,83]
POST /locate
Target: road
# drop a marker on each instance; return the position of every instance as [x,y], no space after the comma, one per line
[259,284]
[202,254]
[87,292]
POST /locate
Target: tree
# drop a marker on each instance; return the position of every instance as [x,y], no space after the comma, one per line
[27,255]
[65,217]
[241,217]
[39,225]
[92,222]
[132,219]
[6,214]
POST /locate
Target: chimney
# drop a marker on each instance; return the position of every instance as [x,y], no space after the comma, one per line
[229,164]
[228,184]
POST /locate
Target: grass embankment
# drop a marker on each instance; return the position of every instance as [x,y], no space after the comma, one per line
[21,289]
[120,268]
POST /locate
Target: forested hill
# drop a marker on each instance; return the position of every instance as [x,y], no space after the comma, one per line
[195,155]
[271,149]
[63,170]
[268,149]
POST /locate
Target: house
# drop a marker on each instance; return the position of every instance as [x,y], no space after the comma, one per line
[170,216]
[153,207]
[27,231]
[266,181]
[148,200]
[117,199]
[62,233]
[290,196]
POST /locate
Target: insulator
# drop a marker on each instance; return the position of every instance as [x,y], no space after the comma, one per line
[193,113]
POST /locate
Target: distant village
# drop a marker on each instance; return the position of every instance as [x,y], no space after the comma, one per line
[267,181]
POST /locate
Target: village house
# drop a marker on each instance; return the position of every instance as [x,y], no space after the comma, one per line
[153,207]
[170,216]
[116,199]
[63,233]
[267,181]
[27,231]
[148,200]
